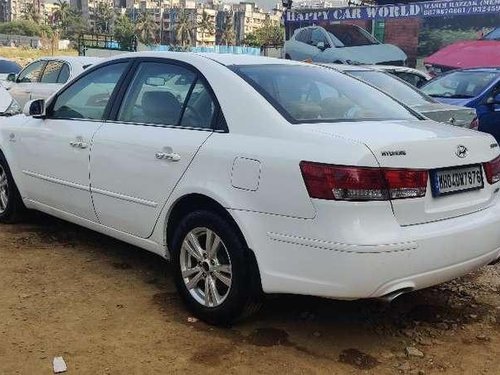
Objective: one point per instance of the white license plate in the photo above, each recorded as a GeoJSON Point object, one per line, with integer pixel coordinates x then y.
{"type": "Point", "coordinates": [455, 180]}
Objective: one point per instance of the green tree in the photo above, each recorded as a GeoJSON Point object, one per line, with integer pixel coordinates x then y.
{"type": "Point", "coordinates": [205, 25]}
{"type": "Point", "coordinates": [183, 31]}
{"type": "Point", "coordinates": [252, 40]}
{"type": "Point", "coordinates": [124, 32]}
{"type": "Point", "coordinates": [270, 34]}
{"type": "Point", "coordinates": [24, 27]}
{"type": "Point", "coordinates": [146, 28]}
{"type": "Point", "coordinates": [103, 18]}
{"type": "Point", "coordinates": [228, 36]}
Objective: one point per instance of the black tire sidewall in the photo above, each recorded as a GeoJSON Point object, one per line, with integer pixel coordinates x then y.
{"type": "Point", "coordinates": [241, 290]}
{"type": "Point", "coordinates": [13, 194]}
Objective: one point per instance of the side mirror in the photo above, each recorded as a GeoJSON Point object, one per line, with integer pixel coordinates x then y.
{"type": "Point", "coordinates": [35, 108]}
{"type": "Point", "coordinates": [493, 99]}
{"type": "Point", "coordinates": [11, 77]}
{"type": "Point", "coordinates": [321, 46]}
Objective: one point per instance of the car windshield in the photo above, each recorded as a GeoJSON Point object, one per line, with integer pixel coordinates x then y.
{"type": "Point", "coordinates": [9, 67]}
{"type": "Point", "coordinates": [493, 35]}
{"type": "Point", "coordinates": [310, 94]}
{"type": "Point", "coordinates": [393, 86]}
{"type": "Point", "coordinates": [349, 36]}
{"type": "Point", "coordinates": [460, 84]}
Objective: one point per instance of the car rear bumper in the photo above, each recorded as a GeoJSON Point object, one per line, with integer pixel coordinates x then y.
{"type": "Point", "coordinates": [296, 256]}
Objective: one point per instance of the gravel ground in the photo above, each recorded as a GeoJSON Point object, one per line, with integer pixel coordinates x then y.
{"type": "Point", "coordinates": [110, 308]}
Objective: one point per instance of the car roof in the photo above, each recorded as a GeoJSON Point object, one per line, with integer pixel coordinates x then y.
{"type": "Point", "coordinates": [81, 60]}
{"type": "Point", "coordinates": [226, 59]}
{"type": "Point", "coordinates": [348, 68]}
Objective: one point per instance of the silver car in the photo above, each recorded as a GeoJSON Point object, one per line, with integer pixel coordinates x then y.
{"type": "Point", "coordinates": [341, 43]}
{"type": "Point", "coordinates": [411, 96]}
{"type": "Point", "coordinates": [44, 76]}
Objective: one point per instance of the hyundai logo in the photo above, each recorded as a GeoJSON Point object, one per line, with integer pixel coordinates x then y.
{"type": "Point", "coordinates": [462, 151]}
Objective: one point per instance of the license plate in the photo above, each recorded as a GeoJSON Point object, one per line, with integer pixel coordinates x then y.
{"type": "Point", "coordinates": [456, 179]}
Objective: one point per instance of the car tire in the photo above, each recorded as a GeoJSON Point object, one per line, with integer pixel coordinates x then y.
{"type": "Point", "coordinates": [287, 57]}
{"type": "Point", "coordinates": [219, 286]}
{"type": "Point", "coordinates": [11, 204]}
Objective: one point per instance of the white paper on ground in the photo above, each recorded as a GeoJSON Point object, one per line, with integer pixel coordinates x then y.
{"type": "Point", "coordinates": [59, 365]}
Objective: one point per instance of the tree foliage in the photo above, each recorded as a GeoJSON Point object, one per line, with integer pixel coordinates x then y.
{"type": "Point", "coordinates": [183, 31]}
{"type": "Point", "coordinates": [205, 25]}
{"type": "Point", "coordinates": [270, 34]}
{"type": "Point", "coordinates": [146, 28]}
{"type": "Point", "coordinates": [228, 36]}
{"type": "Point", "coordinates": [68, 21]}
{"type": "Point", "coordinates": [24, 27]}
{"type": "Point", "coordinates": [124, 32]}
{"type": "Point", "coordinates": [103, 18]}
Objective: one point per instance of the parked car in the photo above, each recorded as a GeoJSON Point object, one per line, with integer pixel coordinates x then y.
{"type": "Point", "coordinates": [44, 76]}
{"type": "Point", "coordinates": [482, 53]}
{"type": "Point", "coordinates": [7, 67]}
{"type": "Point", "coordinates": [8, 106]}
{"type": "Point", "coordinates": [474, 88]}
{"type": "Point", "coordinates": [414, 77]}
{"type": "Point", "coordinates": [319, 184]}
{"type": "Point", "coordinates": [411, 96]}
{"type": "Point", "coordinates": [341, 43]}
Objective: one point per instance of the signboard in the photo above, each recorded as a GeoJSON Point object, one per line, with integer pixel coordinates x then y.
{"type": "Point", "coordinates": [422, 9]}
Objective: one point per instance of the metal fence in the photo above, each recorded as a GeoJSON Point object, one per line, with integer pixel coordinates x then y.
{"type": "Point", "coordinates": [20, 40]}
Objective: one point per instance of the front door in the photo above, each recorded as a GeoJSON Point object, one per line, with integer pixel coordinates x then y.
{"type": "Point", "coordinates": [28, 77]}
{"type": "Point", "coordinates": [54, 152]}
{"type": "Point", "coordinates": [165, 116]}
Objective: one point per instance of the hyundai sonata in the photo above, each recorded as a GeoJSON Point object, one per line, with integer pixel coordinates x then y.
{"type": "Point", "coordinates": [257, 175]}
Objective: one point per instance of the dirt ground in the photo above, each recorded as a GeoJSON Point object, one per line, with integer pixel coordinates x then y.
{"type": "Point", "coordinates": [110, 308]}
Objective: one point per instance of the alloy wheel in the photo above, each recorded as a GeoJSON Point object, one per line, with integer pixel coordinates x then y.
{"type": "Point", "coordinates": [4, 190]}
{"type": "Point", "coordinates": [206, 267]}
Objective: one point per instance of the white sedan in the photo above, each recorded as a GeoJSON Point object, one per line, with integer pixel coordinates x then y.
{"type": "Point", "coordinates": [256, 175]}
{"type": "Point", "coordinates": [44, 76]}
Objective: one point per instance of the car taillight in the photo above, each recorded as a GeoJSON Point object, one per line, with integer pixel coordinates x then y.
{"type": "Point", "coordinates": [475, 124]}
{"type": "Point", "coordinates": [492, 170]}
{"type": "Point", "coordinates": [325, 181]}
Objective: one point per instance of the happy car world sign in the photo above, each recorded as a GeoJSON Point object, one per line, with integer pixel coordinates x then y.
{"type": "Point", "coordinates": [422, 9]}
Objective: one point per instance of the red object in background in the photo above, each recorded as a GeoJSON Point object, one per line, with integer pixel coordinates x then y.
{"type": "Point", "coordinates": [467, 54]}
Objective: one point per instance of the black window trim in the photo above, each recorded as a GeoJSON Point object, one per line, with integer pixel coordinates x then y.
{"type": "Point", "coordinates": [107, 109]}
{"type": "Point", "coordinates": [218, 125]}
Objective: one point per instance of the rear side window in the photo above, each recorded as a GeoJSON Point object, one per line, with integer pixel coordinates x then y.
{"type": "Point", "coordinates": [64, 74]}
{"type": "Point", "coordinates": [51, 72]}
{"type": "Point", "coordinates": [167, 94]}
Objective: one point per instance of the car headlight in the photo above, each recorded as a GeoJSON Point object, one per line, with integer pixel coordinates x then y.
{"type": "Point", "coordinates": [13, 109]}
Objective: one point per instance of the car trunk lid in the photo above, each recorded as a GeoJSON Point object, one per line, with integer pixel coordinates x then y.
{"type": "Point", "coordinates": [423, 145]}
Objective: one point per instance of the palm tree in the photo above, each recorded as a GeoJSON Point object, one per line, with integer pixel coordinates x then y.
{"type": "Point", "coordinates": [103, 17]}
{"type": "Point", "coordinates": [228, 37]}
{"type": "Point", "coordinates": [62, 14]}
{"type": "Point", "coordinates": [146, 28]}
{"type": "Point", "coordinates": [205, 25]}
{"type": "Point", "coordinates": [183, 28]}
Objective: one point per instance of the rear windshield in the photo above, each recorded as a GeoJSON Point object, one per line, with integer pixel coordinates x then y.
{"type": "Point", "coordinates": [393, 86]}
{"type": "Point", "coordinates": [350, 36]}
{"type": "Point", "coordinates": [310, 94]}
{"type": "Point", "coordinates": [9, 67]}
{"type": "Point", "coordinates": [460, 85]}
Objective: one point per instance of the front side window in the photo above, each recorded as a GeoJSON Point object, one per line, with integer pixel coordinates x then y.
{"type": "Point", "coordinates": [31, 73]}
{"type": "Point", "coordinates": [460, 84]}
{"type": "Point", "coordinates": [51, 72]}
{"type": "Point", "coordinates": [304, 36]}
{"type": "Point", "coordinates": [312, 94]}
{"type": "Point", "coordinates": [167, 94]}
{"type": "Point", "coordinates": [88, 97]}
{"type": "Point", "coordinates": [317, 36]}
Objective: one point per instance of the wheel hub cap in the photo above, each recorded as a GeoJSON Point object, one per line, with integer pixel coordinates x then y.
{"type": "Point", "coordinates": [206, 267]}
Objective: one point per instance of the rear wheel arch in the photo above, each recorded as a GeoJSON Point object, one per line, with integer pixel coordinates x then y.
{"type": "Point", "coordinates": [194, 202]}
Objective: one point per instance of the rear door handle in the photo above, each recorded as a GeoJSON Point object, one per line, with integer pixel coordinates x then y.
{"type": "Point", "coordinates": [172, 156]}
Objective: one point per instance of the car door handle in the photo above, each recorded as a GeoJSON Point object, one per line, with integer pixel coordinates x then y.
{"type": "Point", "coordinates": [172, 156]}
{"type": "Point", "coordinates": [78, 144]}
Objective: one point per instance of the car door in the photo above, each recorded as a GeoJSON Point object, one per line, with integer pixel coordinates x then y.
{"type": "Point", "coordinates": [28, 77]}
{"type": "Point", "coordinates": [53, 76]}
{"type": "Point", "coordinates": [321, 46]}
{"type": "Point", "coordinates": [302, 49]}
{"type": "Point", "coordinates": [53, 152]}
{"type": "Point", "coordinates": [166, 114]}
{"type": "Point", "coordinates": [489, 114]}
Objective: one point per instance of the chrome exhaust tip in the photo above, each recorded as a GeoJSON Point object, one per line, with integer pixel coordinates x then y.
{"type": "Point", "coordinates": [389, 297]}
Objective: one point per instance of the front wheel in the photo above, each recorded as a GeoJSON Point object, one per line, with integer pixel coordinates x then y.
{"type": "Point", "coordinates": [11, 205]}
{"type": "Point", "coordinates": [213, 273]}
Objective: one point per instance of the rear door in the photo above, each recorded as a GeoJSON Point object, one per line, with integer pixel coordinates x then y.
{"type": "Point", "coordinates": [167, 112]}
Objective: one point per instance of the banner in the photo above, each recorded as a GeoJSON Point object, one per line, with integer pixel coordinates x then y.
{"type": "Point", "coordinates": [422, 9]}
